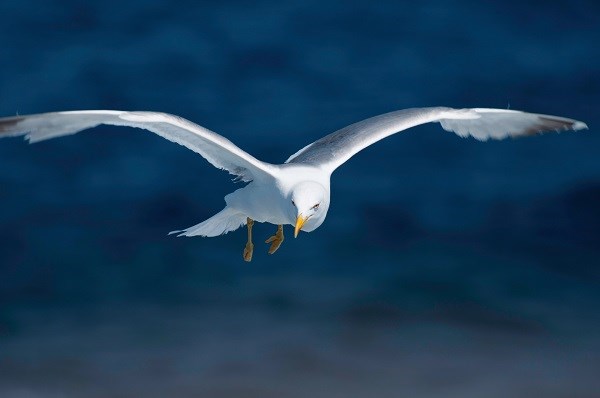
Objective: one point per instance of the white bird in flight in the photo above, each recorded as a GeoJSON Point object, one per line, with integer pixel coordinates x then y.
{"type": "Point", "coordinates": [296, 192]}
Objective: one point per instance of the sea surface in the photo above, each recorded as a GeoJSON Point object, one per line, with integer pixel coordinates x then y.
{"type": "Point", "coordinates": [447, 267]}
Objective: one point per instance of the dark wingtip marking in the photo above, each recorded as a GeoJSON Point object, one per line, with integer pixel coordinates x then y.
{"type": "Point", "coordinates": [548, 124]}
{"type": "Point", "coordinates": [557, 124]}
{"type": "Point", "coordinates": [8, 123]}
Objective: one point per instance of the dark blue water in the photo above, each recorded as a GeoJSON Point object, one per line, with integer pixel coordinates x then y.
{"type": "Point", "coordinates": [446, 267]}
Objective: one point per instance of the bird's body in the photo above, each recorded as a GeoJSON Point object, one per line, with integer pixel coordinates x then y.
{"type": "Point", "coordinates": [268, 201]}
{"type": "Point", "coordinates": [298, 191]}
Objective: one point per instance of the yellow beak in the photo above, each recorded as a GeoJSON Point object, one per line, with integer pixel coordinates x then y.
{"type": "Point", "coordinates": [299, 223]}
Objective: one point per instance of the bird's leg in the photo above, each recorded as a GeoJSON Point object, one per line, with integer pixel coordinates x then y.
{"type": "Point", "coordinates": [275, 240]}
{"type": "Point", "coordinates": [249, 249]}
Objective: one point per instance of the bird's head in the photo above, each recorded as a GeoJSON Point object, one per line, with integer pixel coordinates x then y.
{"type": "Point", "coordinates": [309, 202]}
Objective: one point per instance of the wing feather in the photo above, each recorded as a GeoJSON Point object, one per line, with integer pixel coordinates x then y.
{"type": "Point", "coordinates": [331, 151]}
{"type": "Point", "coordinates": [217, 150]}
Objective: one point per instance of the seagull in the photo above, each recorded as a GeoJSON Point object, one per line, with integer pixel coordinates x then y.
{"type": "Point", "coordinates": [296, 192]}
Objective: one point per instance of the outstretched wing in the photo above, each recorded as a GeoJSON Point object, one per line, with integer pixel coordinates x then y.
{"type": "Point", "coordinates": [333, 150]}
{"type": "Point", "coordinates": [219, 151]}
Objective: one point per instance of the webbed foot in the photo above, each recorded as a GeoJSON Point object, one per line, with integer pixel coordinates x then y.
{"type": "Point", "coordinates": [276, 240]}
{"type": "Point", "coordinates": [249, 249]}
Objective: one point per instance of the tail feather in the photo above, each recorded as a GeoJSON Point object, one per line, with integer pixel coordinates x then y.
{"type": "Point", "coordinates": [226, 220]}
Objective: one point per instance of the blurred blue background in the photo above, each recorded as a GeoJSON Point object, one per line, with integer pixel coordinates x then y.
{"type": "Point", "coordinates": [447, 267]}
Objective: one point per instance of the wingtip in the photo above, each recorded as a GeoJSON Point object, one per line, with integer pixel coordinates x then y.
{"type": "Point", "coordinates": [179, 234]}
{"type": "Point", "coordinates": [8, 124]}
{"type": "Point", "coordinates": [580, 126]}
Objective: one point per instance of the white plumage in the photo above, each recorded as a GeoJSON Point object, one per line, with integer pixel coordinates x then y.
{"type": "Point", "coordinates": [297, 190]}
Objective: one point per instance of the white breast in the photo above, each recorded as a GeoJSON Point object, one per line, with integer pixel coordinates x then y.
{"type": "Point", "coordinates": [262, 203]}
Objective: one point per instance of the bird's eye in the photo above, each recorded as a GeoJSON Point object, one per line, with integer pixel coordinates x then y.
{"type": "Point", "coordinates": [315, 207]}
{"type": "Point", "coordinates": [294, 203]}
